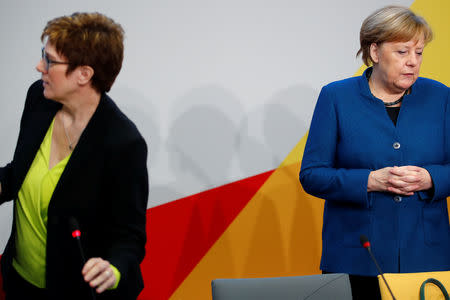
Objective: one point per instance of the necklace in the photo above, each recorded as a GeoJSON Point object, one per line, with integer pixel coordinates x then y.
{"type": "Point", "coordinates": [386, 104]}
{"type": "Point", "coordinates": [394, 102]}
{"type": "Point", "coordinates": [67, 135]}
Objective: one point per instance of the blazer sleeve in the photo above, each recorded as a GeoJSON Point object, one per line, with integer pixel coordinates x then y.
{"type": "Point", "coordinates": [5, 177]}
{"type": "Point", "coordinates": [440, 173]}
{"type": "Point", "coordinates": [129, 185]}
{"type": "Point", "coordinates": [319, 174]}
{"type": "Point", "coordinates": [6, 172]}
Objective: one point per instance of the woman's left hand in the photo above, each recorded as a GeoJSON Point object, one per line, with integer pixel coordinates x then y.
{"type": "Point", "coordinates": [99, 274]}
{"type": "Point", "coordinates": [410, 179]}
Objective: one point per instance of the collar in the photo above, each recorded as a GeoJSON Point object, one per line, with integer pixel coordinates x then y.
{"type": "Point", "coordinates": [364, 83]}
{"type": "Point", "coordinates": [365, 89]}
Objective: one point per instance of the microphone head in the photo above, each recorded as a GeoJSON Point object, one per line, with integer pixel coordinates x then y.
{"type": "Point", "coordinates": [74, 227]}
{"type": "Point", "coordinates": [364, 241]}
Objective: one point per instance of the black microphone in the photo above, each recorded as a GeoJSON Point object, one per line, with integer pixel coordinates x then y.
{"type": "Point", "coordinates": [366, 244]}
{"type": "Point", "coordinates": [76, 234]}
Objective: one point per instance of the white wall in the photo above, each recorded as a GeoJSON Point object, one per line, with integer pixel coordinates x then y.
{"type": "Point", "coordinates": [221, 90]}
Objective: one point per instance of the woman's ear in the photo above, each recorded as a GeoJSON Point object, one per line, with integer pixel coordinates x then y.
{"type": "Point", "coordinates": [85, 75]}
{"type": "Point", "coordinates": [374, 53]}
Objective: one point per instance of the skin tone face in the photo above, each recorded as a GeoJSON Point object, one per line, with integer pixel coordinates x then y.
{"type": "Point", "coordinates": [396, 66]}
{"type": "Point", "coordinates": [57, 84]}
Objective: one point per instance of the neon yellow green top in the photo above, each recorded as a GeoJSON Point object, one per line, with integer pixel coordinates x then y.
{"type": "Point", "coordinates": [31, 214]}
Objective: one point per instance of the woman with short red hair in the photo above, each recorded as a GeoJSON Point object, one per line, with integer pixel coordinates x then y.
{"type": "Point", "coordinates": [78, 157]}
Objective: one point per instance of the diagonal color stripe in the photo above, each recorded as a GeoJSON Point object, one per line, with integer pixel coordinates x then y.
{"type": "Point", "coordinates": [181, 232]}
{"type": "Point", "coordinates": [278, 232]}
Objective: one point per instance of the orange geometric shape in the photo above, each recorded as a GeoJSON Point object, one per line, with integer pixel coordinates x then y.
{"type": "Point", "coordinates": [182, 231]}
{"type": "Point", "coordinates": [276, 234]}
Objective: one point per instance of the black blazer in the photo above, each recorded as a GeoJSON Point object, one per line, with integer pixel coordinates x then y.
{"type": "Point", "coordinates": [104, 186]}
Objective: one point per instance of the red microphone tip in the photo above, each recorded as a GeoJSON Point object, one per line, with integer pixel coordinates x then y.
{"type": "Point", "coordinates": [364, 241]}
{"type": "Point", "coordinates": [76, 233]}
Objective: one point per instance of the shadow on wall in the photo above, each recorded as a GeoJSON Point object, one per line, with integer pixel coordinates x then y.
{"type": "Point", "coordinates": [267, 135]}
{"type": "Point", "coordinates": [201, 143]}
{"type": "Point", "coordinates": [291, 243]}
{"type": "Point", "coordinates": [287, 118]}
{"type": "Point", "coordinates": [145, 115]}
{"type": "Point", "coordinates": [267, 231]}
{"type": "Point", "coordinates": [211, 140]}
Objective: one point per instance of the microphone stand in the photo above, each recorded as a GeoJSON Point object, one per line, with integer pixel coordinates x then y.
{"type": "Point", "coordinates": [76, 233]}
{"type": "Point", "coordinates": [366, 244]}
{"type": "Point", "coordinates": [381, 272]}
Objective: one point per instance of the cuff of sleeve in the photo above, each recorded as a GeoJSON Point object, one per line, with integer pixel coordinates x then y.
{"type": "Point", "coordinates": [426, 195]}
{"type": "Point", "coordinates": [117, 274]}
{"type": "Point", "coordinates": [356, 187]}
{"type": "Point", "coordinates": [439, 175]}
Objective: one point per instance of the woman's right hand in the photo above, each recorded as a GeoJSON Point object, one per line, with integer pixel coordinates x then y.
{"type": "Point", "coordinates": [385, 180]}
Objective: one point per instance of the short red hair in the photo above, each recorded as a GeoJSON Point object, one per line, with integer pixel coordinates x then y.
{"type": "Point", "coordinates": [89, 39]}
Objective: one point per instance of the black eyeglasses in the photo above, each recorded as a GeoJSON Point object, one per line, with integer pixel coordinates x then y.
{"type": "Point", "coordinates": [48, 62]}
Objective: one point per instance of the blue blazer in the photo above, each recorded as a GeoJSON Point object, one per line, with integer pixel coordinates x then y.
{"type": "Point", "coordinates": [351, 135]}
{"type": "Point", "coordinates": [104, 186]}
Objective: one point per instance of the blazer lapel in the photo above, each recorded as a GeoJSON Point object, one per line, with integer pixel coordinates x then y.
{"type": "Point", "coordinates": [34, 128]}
{"type": "Point", "coordinates": [83, 155]}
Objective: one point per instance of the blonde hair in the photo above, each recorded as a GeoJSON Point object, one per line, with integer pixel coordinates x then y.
{"type": "Point", "coordinates": [391, 24]}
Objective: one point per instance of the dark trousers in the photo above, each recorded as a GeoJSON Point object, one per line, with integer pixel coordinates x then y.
{"type": "Point", "coordinates": [364, 287]}
{"type": "Point", "coordinates": [20, 289]}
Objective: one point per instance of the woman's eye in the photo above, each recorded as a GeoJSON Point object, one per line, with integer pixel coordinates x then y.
{"type": "Point", "coordinates": [401, 52]}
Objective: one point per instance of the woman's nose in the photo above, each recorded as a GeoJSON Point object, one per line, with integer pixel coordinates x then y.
{"type": "Point", "coordinates": [40, 66]}
{"type": "Point", "coordinates": [412, 59]}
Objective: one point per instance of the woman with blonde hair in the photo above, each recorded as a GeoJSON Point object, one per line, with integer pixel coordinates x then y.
{"type": "Point", "coordinates": [378, 152]}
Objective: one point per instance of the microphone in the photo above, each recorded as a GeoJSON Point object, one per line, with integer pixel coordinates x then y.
{"type": "Point", "coordinates": [76, 234]}
{"type": "Point", "coordinates": [366, 244]}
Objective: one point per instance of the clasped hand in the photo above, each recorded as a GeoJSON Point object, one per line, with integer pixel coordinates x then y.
{"type": "Point", "coordinates": [403, 180]}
